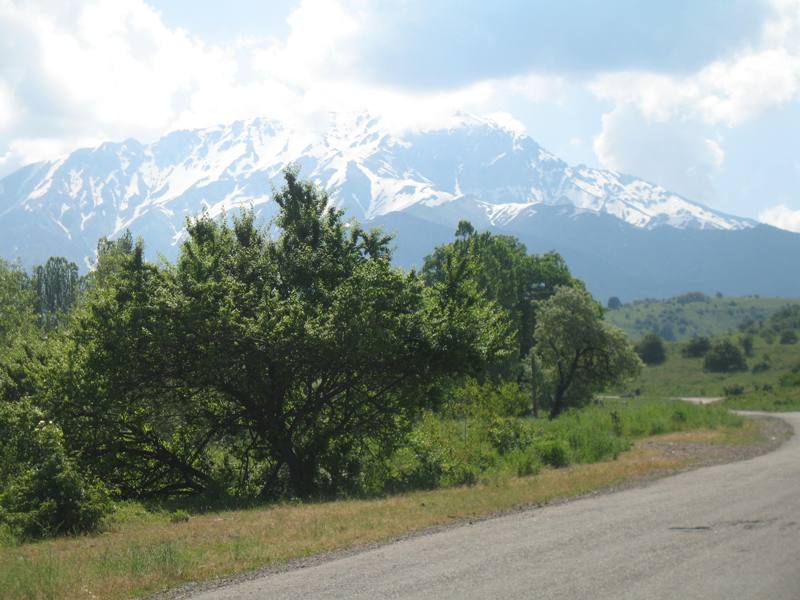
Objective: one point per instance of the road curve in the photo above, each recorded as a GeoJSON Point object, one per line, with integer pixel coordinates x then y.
{"type": "Point", "coordinates": [723, 532]}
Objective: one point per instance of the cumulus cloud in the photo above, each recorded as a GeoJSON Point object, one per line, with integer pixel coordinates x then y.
{"type": "Point", "coordinates": [111, 69]}
{"type": "Point", "coordinates": [676, 155]}
{"type": "Point", "coordinates": [781, 216]}
{"type": "Point", "coordinates": [670, 127]}
{"type": "Point", "coordinates": [729, 90]}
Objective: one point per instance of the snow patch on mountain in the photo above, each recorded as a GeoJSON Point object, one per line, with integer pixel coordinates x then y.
{"type": "Point", "coordinates": [475, 165]}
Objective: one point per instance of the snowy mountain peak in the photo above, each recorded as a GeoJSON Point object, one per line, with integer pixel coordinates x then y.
{"type": "Point", "coordinates": [482, 168]}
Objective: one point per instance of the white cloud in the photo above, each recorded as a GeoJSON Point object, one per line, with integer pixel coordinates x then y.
{"type": "Point", "coordinates": [7, 109]}
{"type": "Point", "coordinates": [728, 91]}
{"type": "Point", "coordinates": [669, 128]}
{"type": "Point", "coordinates": [111, 69]}
{"type": "Point", "coordinates": [677, 155]}
{"type": "Point", "coordinates": [781, 216]}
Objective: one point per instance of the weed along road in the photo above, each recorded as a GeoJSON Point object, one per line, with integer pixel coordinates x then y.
{"type": "Point", "coordinates": [728, 531]}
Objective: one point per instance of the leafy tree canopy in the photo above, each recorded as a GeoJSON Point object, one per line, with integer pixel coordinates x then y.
{"type": "Point", "coordinates": [578, 352]}
{"type": "Point", "coordinates": [503, 272]}
{"type": "Point", "coordinates": [289, 357]}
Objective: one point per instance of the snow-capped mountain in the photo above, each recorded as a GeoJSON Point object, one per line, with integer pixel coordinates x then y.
{"type": "Point", "coordinates": [367, 170]}
{"type": "Point", "coordinates": [473, 168]}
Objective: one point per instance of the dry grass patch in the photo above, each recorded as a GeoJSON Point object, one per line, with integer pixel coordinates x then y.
{"type": "Point", "coordinates": [749, 433]}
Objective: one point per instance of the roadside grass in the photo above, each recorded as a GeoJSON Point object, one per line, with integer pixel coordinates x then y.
{"type": "Point", "coordinates": [780, 399]}
{"type": "Point", "coordinates": [146, 550]}
{"type": "Point", "coordinates": [681, 376]}
{"type": "Point", "coordinates": [749, 433]}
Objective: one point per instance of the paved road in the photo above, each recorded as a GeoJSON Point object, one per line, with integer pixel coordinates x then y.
{"type": "Point", "coordinates": [727, 532]}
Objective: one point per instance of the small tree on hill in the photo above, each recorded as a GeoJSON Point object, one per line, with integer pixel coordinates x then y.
{"type": "Point", "coordinates": [578, 352]}
{"type": "Point", "coordinates": [651, 349]}
{"type": "Point", "coordinates": [724, 357]}
{"type": "Point", "coordinates": [614, 303]}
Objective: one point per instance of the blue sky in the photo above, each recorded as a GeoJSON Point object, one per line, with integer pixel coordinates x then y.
{"type": "Point", "coordinates": [701, 96]}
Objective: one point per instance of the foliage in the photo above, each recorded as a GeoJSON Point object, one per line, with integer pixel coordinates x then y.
{"type": "Point", "coordinates": [746, 342]}
{"type": "Point", "coordinates": [696, 347]}
{"type": "Point", "coordinates": [21, 348]}
{"type": "Point", "coordinates": [41, 490]}
{"type": "Point", "coordinates": [734, 390]}
{"type": "Point", "coordinates": [651, 349]}
{"type": "Point", "coordinates": [614, 303]}
{"type": "Point", "coordinates": [788, 336]}
{"type": "Point", "coordinates": [724, 357]}
{"type": "Point", "coordinates": [503, 273]}
{"type": "Point", "coordinates": [579, 353]}
{"type": "Point", "coordinates": [260, 366]}
{"type": "Point", "coordinates": [474, 399]}
{"type": "Point", "coordinates": [57, 286]}
{"type": "Point", "coordinates": [443, 452]}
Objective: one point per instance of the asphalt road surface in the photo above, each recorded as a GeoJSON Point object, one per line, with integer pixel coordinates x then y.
{"type": "Point", "coordinates": [729, 531]}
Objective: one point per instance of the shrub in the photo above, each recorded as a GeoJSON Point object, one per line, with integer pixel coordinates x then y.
{"type": "Point", "coordinates": [554, 452]}
{"type": "Point", "coordinates": [506, 399]}
{"type": "Point", "coordinates": [614, 303]}
{"type": "Point", "coordinates": [43, 493]}
{"type": "Point", "coordinates": [696, 347]}
{"type": "Point", "coordinates": [788, 337]}
{"type": "Point", "coordinates": [733, 390]}
{"type": "Point", "coordinates": [651, 349]}
{"type": "Point", "coordinates": [724, 357]}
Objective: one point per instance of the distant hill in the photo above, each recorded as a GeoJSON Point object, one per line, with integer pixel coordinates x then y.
{"type": "Point", "coordinates": [682, 317]}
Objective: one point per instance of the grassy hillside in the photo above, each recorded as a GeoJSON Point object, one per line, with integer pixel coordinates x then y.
{"type": "Point", "coordinates": [693, 314]}
{"type": "Point", "coordinates": [774, 384]}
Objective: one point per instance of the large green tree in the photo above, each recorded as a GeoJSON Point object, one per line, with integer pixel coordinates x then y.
{"type": "Point", "coordinates": [577, 351]}
{"type": "Point", "coordinates": [504, 273]}
{"type": "Point", "coordinates": [265, 365]}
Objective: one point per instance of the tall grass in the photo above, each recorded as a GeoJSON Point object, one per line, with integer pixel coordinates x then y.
{"type": "Point", "coordinates": [446, 452]}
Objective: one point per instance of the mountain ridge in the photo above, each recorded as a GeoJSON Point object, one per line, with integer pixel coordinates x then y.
{"type": "Point", "coordinates": [473, 168]}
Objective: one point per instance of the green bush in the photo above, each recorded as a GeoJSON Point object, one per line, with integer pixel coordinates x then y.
{"type": "Point", "coordinates": [554, 452]}
{"type": "Point", "coordinates": [788, 337]}
{"type": "Point", "coordinates": [651, 349]}
{"type": "Point", "coordinates": [43, 493]}
{"type": "Point", "coordinates": [696, 347]}
{"type": "Point", "coordinates": [733, 390]}
{"type": "Point", "coordinates": [724, 357]}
